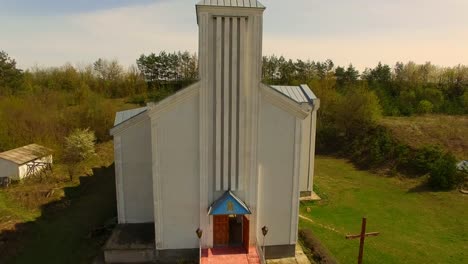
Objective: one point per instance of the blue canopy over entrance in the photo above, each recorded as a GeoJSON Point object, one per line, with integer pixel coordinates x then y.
{"type": "Point", "coordinates": [228, 204]}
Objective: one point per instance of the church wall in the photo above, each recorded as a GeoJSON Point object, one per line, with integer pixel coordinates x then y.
{"type": "Point", "coordinates": [136, 173]}
{"type": "Point", "coordinates": [305, 150]}
{"type": "Point", "coordinates": [313, 139]}
{"type": "Point", "coordinates": [177, 159]}
{"type": "Point", "coordinates": [276, 170]}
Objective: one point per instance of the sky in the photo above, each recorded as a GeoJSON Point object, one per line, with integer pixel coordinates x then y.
{"type": "Point", "coordinates": [361, 32]}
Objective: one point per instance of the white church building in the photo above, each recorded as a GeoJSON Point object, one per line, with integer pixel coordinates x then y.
{"type": "Point", "coordinates": [228, 154]}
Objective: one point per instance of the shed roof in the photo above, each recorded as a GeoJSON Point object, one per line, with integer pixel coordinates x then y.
{"type": "Point", "coordinates": [123, 116]}
{"type": "Point", "coordinates": [25, 154]}
{"type": "Point", "coordinates": [463, 165]}
{"type": "Point", "coordinates": [299, 94]}
{"type": "Point", "coordinates": [232, 3]}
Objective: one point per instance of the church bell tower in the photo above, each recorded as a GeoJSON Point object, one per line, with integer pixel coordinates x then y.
{"type": "Point", "coordinates": [230, 57]}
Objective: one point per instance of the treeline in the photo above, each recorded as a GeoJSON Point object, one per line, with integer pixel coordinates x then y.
{"type": "Point", "coordinates": [107, 78]}
{"type": "Point", "coordinates": [352, 104]}
{"type": "Point", "coordinates": [44, 105]}
{"type": "Point", "coordinates": [402, 90]}
{"type": "Point", "coordinates": [168, 67]}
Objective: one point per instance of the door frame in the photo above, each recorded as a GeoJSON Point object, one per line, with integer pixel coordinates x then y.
{"type": "Point", "coordinates": [245, 224]}
{"type": "Point", "coordinates": [245, 233]}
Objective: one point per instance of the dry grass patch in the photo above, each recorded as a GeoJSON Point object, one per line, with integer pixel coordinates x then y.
{"type": "Point", "coordinates": [449, 132]}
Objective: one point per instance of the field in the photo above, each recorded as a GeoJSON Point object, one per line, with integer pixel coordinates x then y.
{"type": "Point", "coordinates": [416, 226]}
{"type": "Point", "coordinates": [55, 220]}
{"type": "Point", "coordinates": [450, 132]}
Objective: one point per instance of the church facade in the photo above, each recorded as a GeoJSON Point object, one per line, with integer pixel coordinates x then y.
{"type": "Point", "coordinates": [228, 154]}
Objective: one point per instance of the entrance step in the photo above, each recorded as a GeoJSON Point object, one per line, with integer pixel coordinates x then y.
{"type": "Point", "coordinates": [230, 255]}
{"type": "Point", "coordinates": [253, 258]}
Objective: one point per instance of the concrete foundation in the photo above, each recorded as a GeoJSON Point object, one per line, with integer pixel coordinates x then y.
{"type": "Point", "coordinates": [280, 251]}
{"type": "Point", "coordinates": [134, 243]}
{"type": "Point", "coordinates": [309, 196]}
{"type": "Point", "coordinates": [300, 258]}
{"type": "Point", "coordinates": [177, 256]}
{"type": "Point", "coordinates": [131, 243]}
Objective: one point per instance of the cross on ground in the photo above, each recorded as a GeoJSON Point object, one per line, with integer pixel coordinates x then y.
{"type": "Point", "coordinates": [362, 237]}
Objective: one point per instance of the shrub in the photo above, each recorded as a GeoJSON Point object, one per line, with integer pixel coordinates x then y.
{"type": "Point", "coordinates": [160, 94]}
{"type": "Point", "coordinates": [443, 173]}
{"type": "Point", "coordinates": [328, 140]}
{"type": "Point", "coordinates": [372, 147]}
{"type": "Point", "coordinates": [139, 99]}
{"type": "Point", "coordinates": [402, 155]}
{"type": "Point", "coordinates": [425, 107]}
{"type": "Point", "coordinates": [319, 253]}
{"type": "Point", "coordinates": [425, 157]}
{"type": "Point", "coordinates": [79, 147]}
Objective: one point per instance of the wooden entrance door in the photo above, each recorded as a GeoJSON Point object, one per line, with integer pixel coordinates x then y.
{"type": "Point", "coordinates": [220, 230]}
{"type": "Point", "coordinates": [245, 233]}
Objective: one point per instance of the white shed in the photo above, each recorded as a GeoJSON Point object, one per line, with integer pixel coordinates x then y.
{"type": "Point", "coordinates": [24, 161]}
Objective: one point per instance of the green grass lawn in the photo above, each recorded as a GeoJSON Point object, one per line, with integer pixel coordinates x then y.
{"type": "Point", "coordinates": [416, 226]}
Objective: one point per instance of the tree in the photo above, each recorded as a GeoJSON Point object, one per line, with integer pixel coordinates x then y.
{"type": "Point", "coordinates": [10, 76]}
{"type": "Point", "coordinates": [108, 70]}
{"type": "Point", "coordinates": [340, 75]}
{"type": "Point", "coordinates": [357, 110]}
{"type": "Point", "coordinates": [465, 101]}
{"type": "Point", "coordinates": [381, 74]}
{"type": "Point", "coordinates": [79, 147]}
{"type": "Point", "coordinates": [425, 107]}
{"type": "Point", "coordinates": [352, 74]}
{"type": "Point", "coordinates": [346, 77]}
{"type": "Point", "coordinates": [135, 81]}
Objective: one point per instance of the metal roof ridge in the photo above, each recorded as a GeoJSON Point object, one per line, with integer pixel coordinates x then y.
{"type": "Point", "coordinates": [232, 3]}
{"type": "Point", "coordinates": [311, 101]}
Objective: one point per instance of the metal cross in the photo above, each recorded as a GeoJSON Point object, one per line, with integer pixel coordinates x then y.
{"type": "Point", "coordinates": [362, 236]}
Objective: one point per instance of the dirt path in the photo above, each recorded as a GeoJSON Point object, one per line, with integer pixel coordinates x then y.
{"type": "Point", "coordinates": [321, 225]}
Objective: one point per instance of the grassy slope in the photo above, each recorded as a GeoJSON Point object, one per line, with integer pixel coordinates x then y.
{"type": "Point", "coordinates": [11, 213]}
{"type": "Point", "coordinates": [416, 227]}
{"type": "Point", "coordinates": [55, 229]}
{"type": "Point", "coordinates": [448, 131]}
{"type": "Point", "coordinates": [64, 236]}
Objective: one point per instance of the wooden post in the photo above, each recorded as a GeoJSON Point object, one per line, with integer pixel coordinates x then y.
{"type": "Point", "coordinates": [361, 243]}
{"type": "Point", "coordinates": [362, 236]}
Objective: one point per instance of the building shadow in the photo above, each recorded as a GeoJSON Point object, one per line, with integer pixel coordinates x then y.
{"type": "Point", "coordinates": [70, 230]}
{"type": "Point", "coordinates": [424, 187]}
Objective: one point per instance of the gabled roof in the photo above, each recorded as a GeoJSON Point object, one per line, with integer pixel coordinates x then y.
{"type": "Point", "coordinates": [228, 204]}
{"type": "Point", "coordinates": [123, 116]}
{"type": "Point", "coordinates": [232, 3]}
{"type": "Point", "coordinates": [299, 94]}
{"type": "Point", "coordinates": [125, 119]}
{"type": "Point", "coordinates": [25, 154]}
{"type": "Point", "coordinates": [299, 101]}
